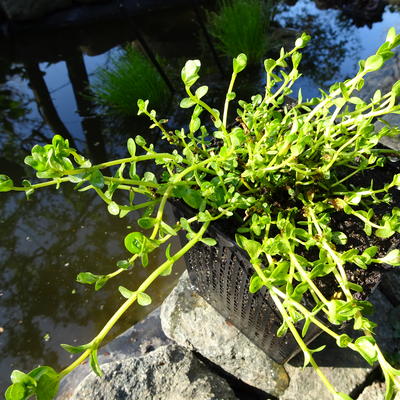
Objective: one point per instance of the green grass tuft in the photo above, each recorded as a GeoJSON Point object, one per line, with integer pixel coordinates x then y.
{"type": "Point", "coordinates": [128, 78]}
{"type": "Point", "coordinates": [240, 26]}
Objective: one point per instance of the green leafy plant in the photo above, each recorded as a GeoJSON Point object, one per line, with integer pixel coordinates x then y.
{"type": "Point", "coordinates": [281, 174]}
{"type": "Point", "coordinates": [241, 26]}
{"type": "Point", "coordinates": [129, 77]}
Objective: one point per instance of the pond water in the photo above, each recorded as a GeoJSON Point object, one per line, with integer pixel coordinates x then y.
{"type": "Point", "coordinates": [46, 241]}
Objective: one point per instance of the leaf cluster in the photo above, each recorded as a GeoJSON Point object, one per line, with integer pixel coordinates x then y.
{"type": "Point", "coordinates": [279, 174]}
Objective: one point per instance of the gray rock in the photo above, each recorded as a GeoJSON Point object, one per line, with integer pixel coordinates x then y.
{"type": "Point", "coordinates": [345, 369]}
{"type": "Point", "coordinates": [194, 324]}
{"type": "Point", "coordinates": [140, 339]}
{"type": "Point", "coordinates": [376, 391]}
{"type": "Point", "coordinates": [168, 373]}
{"type": "Point", "coordinates": [305, 384]}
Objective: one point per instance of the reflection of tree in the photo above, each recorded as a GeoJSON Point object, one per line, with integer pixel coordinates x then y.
{"type": "Point", "coordinates": [90, 122]}
{"type": "Point", "coordinates": [358, 12]}
{"type": "Point", "coordinates": [44, 101]}
{"type": "Point", "coordinates": [331, 41]}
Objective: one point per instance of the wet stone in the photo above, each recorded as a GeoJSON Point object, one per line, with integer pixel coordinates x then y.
{"type": "Point", "coordinates": [191, 322]}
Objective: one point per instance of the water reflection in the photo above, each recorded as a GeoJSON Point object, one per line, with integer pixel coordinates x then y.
{"type": "Point", "coordinates": [332, 40]}
{"type": "Point", "coordinates": [358, 12]}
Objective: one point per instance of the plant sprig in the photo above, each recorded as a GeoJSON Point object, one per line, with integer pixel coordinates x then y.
{"type": "Point", "coordinates": [281, 173]}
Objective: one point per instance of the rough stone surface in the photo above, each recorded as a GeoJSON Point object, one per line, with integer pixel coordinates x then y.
{"type": "Point", "coordinates": [168, 373]}
{"type": "Point", "coordinates": [343, 368]}
{"type": "Point", "coordinates": [30, 9]}
{"type": "Point", "coordinates": [374, 392]}
{"type": "Point", "coordinates": [346, 370]}
{"type": "Point", "coordinates": [193, 323]}
{"type": "Point", "coordinates": [142, 338]}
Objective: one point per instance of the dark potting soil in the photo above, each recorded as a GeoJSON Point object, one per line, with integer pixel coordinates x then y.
{"type": "Point", "coordinates": [357, 239]}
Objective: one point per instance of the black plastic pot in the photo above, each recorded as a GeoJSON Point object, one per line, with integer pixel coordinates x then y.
{"type": "Point", "coordinates": [221, 275]}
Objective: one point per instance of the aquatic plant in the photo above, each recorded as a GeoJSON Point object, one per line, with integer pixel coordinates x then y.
{"type": "Point", "coordinates": [280, 175]}
{"type": "Point", "coordinates": [129, 77]}
{"type": "Point", "coordinates": [241, 26]}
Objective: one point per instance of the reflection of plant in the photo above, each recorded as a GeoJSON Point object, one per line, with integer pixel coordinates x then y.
{"type": "Point", "coordinates": [281, 175]}
{"type": "Point", "coordinates": [323, 58]}
{"type": "Point", "coordinates": [240, 26]}
{"type": "Point", "coordinates": [129, 78]}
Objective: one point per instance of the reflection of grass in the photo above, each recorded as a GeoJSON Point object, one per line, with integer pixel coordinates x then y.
{"type": "Point", "coordinates": [128, 78]}
{"type": "Point", "coordinates": [240, 27]}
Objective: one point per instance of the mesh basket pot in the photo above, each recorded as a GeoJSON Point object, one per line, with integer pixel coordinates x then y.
{"type": "Point", "coordinates": [221, 275]}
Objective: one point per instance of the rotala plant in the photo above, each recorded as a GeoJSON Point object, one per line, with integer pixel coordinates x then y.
{"type": "Point", "coordinates": [281, 174]}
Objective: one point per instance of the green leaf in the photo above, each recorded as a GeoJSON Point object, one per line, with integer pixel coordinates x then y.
{"type": "Point", "coordinates": [113, 208]}
{"type": "Point", "coordinates": [146, 222]}
{"type": "Point", "coordinates": [201, 91]}
{"type": "Point", "coordinates": [131, 147]}
{"type": "Point", "coordinates": [75, 349]}
{"type": "Point", "coordinates": [47, 384]}
{"type": "Point", "coordinates": [231, 96]}
{"type": "Point", "coordinates": [124, 264]}
{"type": "Point", "coordinates": [391, 35]}
{"type": "Point", "coordinates": [194, 125]}
{"type": "Point", "coordinates": [252, 247]}
{"type": "Point", "coordinates": [6, 183]}
{"type": "Point", "coordinates": [15, 391]}
{"type": "Point", "coordinates": [143, 299]}
{"type": "Point", "coordinates": [144, 258]}
{"type": "Point", "coordinates": [20, 377]}
{"type": "Point", "coordinates": [392, 258]}
{"type": "Point", "coordinates": [396, 89]}
{"type": "Point", "coordinates": [189, 72]}
{"type": "Point", "coordinates": [193, 198]}
{"type": "Point", "coordinates": [87, 277]}
{"type": "Point", "coordinates": [140, 141]}
{"type": "Point", "coordinates": [269, 64]}
{"type": "Point", "coordinates": [96, 179]}
{"type": "Point", "coordinates": [167, 271]}
{"type": "Point", "coordinates": [366, 346]}
{"type": "Point", "coordinates": [282, 330]}
{"type": "Point", "coordinates": [100, 282]}
{"type": "Point", "coordinates": [187, 102]}
{"type": "Point", "coordinates": [373, 63]}
{"type": "Point", "coordinates": [209, 241]}
{"type": "Point", "coordinates": [256, 284]}
{"type": "Point", "coordinates": [94, 363]}
{"type": "Point", "coordinates": [343, 340]}
{"type": "Point", "coordinates": [126, 292]}
{"type": "Point", "coordinates": [239, 63]}
{"type": "Point", "coordinates": [134, 242]}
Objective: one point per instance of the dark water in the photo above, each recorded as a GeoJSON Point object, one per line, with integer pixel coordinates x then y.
{"type": "Point", "coordinates": [46, 241]}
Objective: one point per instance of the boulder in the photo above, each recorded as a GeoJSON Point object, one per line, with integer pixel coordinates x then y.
{"type": "Point", "coordinates": [168, 373]}
{"type": "Point", "coordinates": [376, 391]}
{"type": "Point", "coordinates": [191, 322]}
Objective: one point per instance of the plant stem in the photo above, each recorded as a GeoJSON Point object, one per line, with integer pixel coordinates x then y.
{"type": "Point", "coordinates": [142, 288]}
